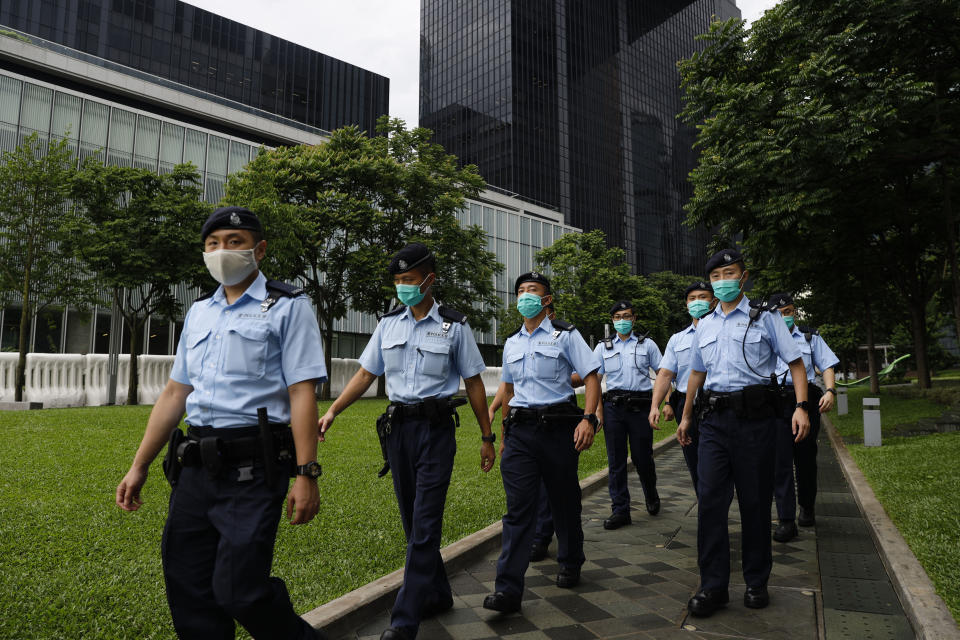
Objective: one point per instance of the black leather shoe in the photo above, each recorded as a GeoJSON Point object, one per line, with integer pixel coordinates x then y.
{"type": "Point", "coordinates": [653, 506]}
{"type": "Point", "coordinates": [538, 551]}
{"type": "Point", "coordinates": [704, 603]}
{"type": "Point", "coordinates": [394, 634]}
{"type": "Point", "coordinates": [436, 606]}
{"type": "Point", "coordinates": [617, 520]}
{"type": "Point", "coordinates": [807, 518]}
{"type": "Point", "coordinates": [786, 531]}
{"type": "Point", "coordinates": [499, 601]}
{"type": "Point", "coordinates": [756, 597]}
{"type": "Point", "coordinates": [568, 578]}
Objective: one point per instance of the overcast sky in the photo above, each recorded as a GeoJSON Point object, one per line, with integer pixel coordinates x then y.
{"type": "Point", "coordinates": [380, 35]}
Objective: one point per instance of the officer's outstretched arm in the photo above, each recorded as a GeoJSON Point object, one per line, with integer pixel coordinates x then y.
{"type": "Point", "coordinates": [583, 435]}
{"type": "Point", "coordinates": [801, 418]}
{"type": "Point", "coordinates": [694, 382]}
{"type": "Point", "coordinates": [164, 417]}
{"type": "Point", "coordinates": [477, 394]}
{"type": "Point", "coordinates": [304, 497]}
{"type": "Point", "coordinates": [660, 389]}
{"type": "Point", "coordinates": [357, 386]}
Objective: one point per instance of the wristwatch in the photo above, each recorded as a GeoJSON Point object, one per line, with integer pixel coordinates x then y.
{"type": "Point", "coordinates": [592, 419]}
{"type": "Point", "coordinates": [832, 390]}
{"type": "Point", "coordinates": [311, 470]}
{"type": "Point", "coordinates": [803, 405]}
{"type": "Point", "coordinates": [490, 438]}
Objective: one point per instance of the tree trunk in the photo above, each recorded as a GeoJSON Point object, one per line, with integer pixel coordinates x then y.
{"type": "Point", "coordinates": [918, 323]}
{"type": "Point", "coordinates": [871, 353]}
{"type": "Point", "coordinates": [328, 359]}
{"type": "Point", "coordinates": [23, 345]}
{"type": "Point", "coordinates": [133, 379]}
{"type": "Point", "coordinates": [952, 253]}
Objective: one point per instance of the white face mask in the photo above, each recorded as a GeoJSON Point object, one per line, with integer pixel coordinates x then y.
{"type": "Point", "coordinates": [230, 267]}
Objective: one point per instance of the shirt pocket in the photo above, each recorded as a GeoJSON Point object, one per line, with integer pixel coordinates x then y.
{"type": "Point", "coordinates": [753, 348]}
{"type": "Point", "coordinates": [682, 353]}
{"type": "Point", "coordinates": [641, 359]}
{"type": "Point", "coordinates": [547, 363]}
{"type": "Point", "coordinates": [710, 351]}
{"type": "Point", "coordinates": [514, 364]}
{"type": "Point", "coordinates": [612, 362]}
{"type": "Point", "coordinates": [196, 346]}
{"type": "Point", "coordinates": [394, 353]}
{"type": "Point", "coordinates": [436, 360]}
{"type": "Point", "coordinates": [245, 351]}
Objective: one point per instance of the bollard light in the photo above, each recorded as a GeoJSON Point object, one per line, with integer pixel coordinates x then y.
{"type": "Point", "coordinates": [843, 407]}
{"type": "Point", "coordinates": [871, 422]}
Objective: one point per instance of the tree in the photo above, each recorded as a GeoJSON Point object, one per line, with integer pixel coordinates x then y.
{"type": "Point", "coordinates": [35, 257]}
{"type": "Point", "coordinates": [140, 233]}
{"type": "Point", "coordinates": [587, 277]}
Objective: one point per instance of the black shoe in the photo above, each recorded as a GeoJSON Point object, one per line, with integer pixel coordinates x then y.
{"type": "Point", "coordinates": [436, 606]}
{"type": "Point", "coordinates": [538, 551]}
{"type": "Point", "coordinates": [499, 601]}
{"type": "Point", "coordinates": [653, 506]}
{"type": "Point", "coordinates": [807, 517]}
{"type": "Point", "coordinates": [394, 634]}
{"type": "Point", "coordinates": [704, 603]}
{"type": "Point", "coordinates": [568, 577]}
{"type": "Point", "coordinates": [786, 531]}
{"type": "Point", "coordinates": [756, 597]}
{"type": "Point", "coordinates": [617, 520]}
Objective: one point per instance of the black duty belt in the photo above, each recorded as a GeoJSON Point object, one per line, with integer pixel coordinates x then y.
{"type": "Point", "coordinates": [431, 408]}
{"type": "Point", "coordinates": [755, 401]}
{"type": "Point", "coordinates": [240, 447]}
{"type": "Point", "coordinates": [630, 400]}
{"type": "Point", "coordinates": [614, 394]}
{"type": "Point", "coordinates": [552, 414]}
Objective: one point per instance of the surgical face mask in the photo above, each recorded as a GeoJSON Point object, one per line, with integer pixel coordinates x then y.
{"type": "Point", "coordinates": [529, 304]}
{"type": "Point", "coordinates": [623, 327]}
{"type": "Point", "coordinates": [698, 308]}
{"type": "Point", "coordinates": [789, 321]}
{"type": "Point", "coordinates": [410, 294]}
{"type": "Point", "coordinates": [230, 266]}
{"type": "Point", "coordinates": [727, 290]}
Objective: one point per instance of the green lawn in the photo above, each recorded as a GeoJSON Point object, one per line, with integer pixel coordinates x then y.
{"type": "Point", "coordinates": [74, 565]}
{"type": "Point", "coordinates": [916, 478]}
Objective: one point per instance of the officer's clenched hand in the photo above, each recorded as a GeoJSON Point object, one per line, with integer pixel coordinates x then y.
{"type": "Point", "coordinates": [683, 432]}
{"type": "Point", "coordinates": [826, 403]}
{"type": "Point", "coordinates": [324, 424]}
{"type": "Point", "coordinates": [128, 491]}
{"type": "Point", "coordinates": [583, 436]}
{"type": "Point", "coordinates": [487, 456]}
{"type": "Point", "coordinates": [654, 417]}
{"type": "Point", "coordinates": [668, 413]}
{"type": "Point", "coordinates": [304, 499]}
{"type": "Point", "coordinates": [801, 424]}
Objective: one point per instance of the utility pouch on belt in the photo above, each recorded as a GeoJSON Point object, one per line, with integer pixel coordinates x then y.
{"type": "Point", "coordinates": [759, 401]}
{"type": "Point", "coordinates": [384, 427]}
{"type": "Point", "coordinates": [171, 462]}
{"type": "Point", "coordinates": [269, 451]}
{"type": "Point", "coordinates": [210, 456]}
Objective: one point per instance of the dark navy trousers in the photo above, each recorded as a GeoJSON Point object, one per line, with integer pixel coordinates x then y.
{"type": "Point", "coordinates": [691, 451]}
{"type": "Point", "coordinates": [535, 453]}
{"type": "Point", "coordinates": [544, 517]}
{"type": "Point", "coordinates": [217, 551]}
{"type": "Point", "coordinates": [801, 456]}
{"type": "Point", "coordinates": [735, 453]}
{"type": "Point", "coordinates": [421, 463]}
{"type": "Point", "coordinates": [620, 428]}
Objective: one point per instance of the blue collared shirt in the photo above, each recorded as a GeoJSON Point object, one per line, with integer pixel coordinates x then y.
{"type": "Point", "coordinates": [420, 358]}
{"type": "Point", "coordinates": [676, 357]}
{"type": "Point", "coordinates": [720, 345]}
{"type": "Point", "coordinates": [814, 353]}
{"type": "Point", "coordinates": [539, 365]}
{"type": "Point", "coordinates": [238, 357]}
{"type": "Point", "coordinates": [627, 364]}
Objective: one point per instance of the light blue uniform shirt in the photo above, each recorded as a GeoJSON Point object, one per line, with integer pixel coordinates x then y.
{"type": "Point", "coordinates": [539, 365]}
{"type": "Point", "coordinates": [239, 357]}
{"type": "Point", "coordinates": [676, 357]}
{"type": "Point", "coordinates": [627, 364]}
{"type": "Point", "coordinates": [719, 348]}
{"type": "Point", "coordinates": [420, 358]}
{"type": "Point", "coordinates": [816, 352]}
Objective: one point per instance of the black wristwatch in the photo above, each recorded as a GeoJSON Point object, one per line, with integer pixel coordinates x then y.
{"type": "Point", "coordinates": [490, 438]}
{"type": "Point", "coordinates": [592, 419]}
{"type": "Point", "coordinates": [832, 390]}
{"type": "Point", "coordinates": [311, 470]}
{"type": "Point", "coordinates": [803, 405]}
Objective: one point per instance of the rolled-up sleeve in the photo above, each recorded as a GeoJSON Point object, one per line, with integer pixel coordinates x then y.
{"type": "Point", "coordinates": [179, 371]}
{"type": "Point", "coordinates": [302, 347]}
{"type": "Point", "coordinates": [469, 360]}
{"type": "Point", "coordinates": [372, 357]}
{"type": "Point", "coordinates": [581, 358]}
{"type": "Point", "coordinates": [669, 359]}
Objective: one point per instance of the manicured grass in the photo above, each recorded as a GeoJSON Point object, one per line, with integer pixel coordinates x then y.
{"type": "Point", "coordinates": [898, 405]}
{"type": "Point", "coordinates": [72, 564]}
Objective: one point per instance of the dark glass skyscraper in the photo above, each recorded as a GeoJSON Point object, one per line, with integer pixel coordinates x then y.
{"type": "Point", "coordinates": [573, 103]}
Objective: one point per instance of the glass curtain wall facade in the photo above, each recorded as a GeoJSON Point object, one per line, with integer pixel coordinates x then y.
{"type": "Point", "coordinates": [207, 52]}
{"type": "Point", "coordinates": [573, 103]}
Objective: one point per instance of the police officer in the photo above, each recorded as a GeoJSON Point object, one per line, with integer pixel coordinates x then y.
{"type": "Point", "coordinates": [803, 454]}
{"type": "Point", "coordinates": [626, 360]}
{"type": "Point", "coordinates": [252, 343]}
{"type": "Point", "coordinates": [675, 365]}
{"type": "Point", "coordinates": [545, 434]}
{"type": "Point", "coordinates": [734, 360]}
{"type": "Point", "coordinates": [424, 349]}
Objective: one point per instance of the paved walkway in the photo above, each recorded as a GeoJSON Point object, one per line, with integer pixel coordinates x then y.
{"type": "Point", "coordinates": [827, 583]}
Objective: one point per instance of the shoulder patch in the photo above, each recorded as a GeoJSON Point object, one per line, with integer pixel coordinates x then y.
{"type": "Point", "coordinates": [282, 289]}
{"type": "Point", "coordinates": [205, 296]}
{"type": "Point", "coordinates": [808, 332]}
{"type": "Point", "coordinates": [400, 308]}
{"type": "Point", "coordinates": [561, 325]}
{"type": "Point", "coordinates": [452, 315]}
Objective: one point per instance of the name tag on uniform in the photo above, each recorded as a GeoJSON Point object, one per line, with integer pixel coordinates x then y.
{"type": "Point", "coordinates": [438, 334]}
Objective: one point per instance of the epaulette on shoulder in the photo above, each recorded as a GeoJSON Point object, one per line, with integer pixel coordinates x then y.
{"type": "Point", "coordinates": [206, 296]}
{"type": "Point", "coordinates": [808, 332]}
{"type": "Point", "coordinates": [562, 325]}
{"type": "Point", "coordinates": [282, 289]}
{"type": "Point", "coordinates": [514, 333]}
{"type": "Point", "coordinates": [400, 308]}
{"type": "Point", "coordinates": [452, 315]}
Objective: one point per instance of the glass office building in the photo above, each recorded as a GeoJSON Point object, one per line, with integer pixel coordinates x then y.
{"type": "Point", "coordinates": [573, 104]}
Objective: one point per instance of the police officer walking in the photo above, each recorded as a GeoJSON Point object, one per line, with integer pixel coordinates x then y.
{"type": "Point", "coordinates": [803, 454]}
{"type": "Point", "coordinates": [424, 349]}
{"type": "Point", "coordinates": [734, 359]}
{"type": "Point", "coordinates": [544, 435]}
{"type": "Point", "coordinates": [246, 367]}
{"type": "Point", "coordinates": [675, 365]}
{"type": "Point", "coordinates": [626, 360]}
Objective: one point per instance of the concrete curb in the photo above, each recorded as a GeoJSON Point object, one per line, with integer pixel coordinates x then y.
{"type": "Point", "coordinates": [352, 609]}
{"type": "Point", "coordinates": [928, 614]}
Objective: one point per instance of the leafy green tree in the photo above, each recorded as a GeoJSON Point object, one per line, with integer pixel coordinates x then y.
{"type": "Point", "coordinates": [140, 233]}
{"type": "Point", "coordinates": [35, 259]}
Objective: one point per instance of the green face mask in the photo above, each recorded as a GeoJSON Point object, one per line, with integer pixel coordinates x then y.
{"type": "Point", "coordinates": [789, 321]}
{"type": "Point", "coordinates": [698, 308]}
{"type": "Point", "coordinates": [726, 290]}
{"type": "Point", "coordinates": [623, 326]}
{"type": "Point", "coordinates": [410, 294]}
{"type": "Point", "coordinates": [529, 304]}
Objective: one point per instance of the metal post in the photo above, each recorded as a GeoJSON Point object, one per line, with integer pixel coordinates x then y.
{"type": "Point", "coordinates": [843, 407]}
{"type": "Point", "coordinates": [871, 423]}
{"type": "Point", "coordinates": [113, 359]}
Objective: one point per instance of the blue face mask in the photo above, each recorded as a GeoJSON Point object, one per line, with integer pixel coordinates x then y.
{"type": "Point", "coordinates": [623, 327]}
{"type": "Point", "coordinates": [726, 290]}
{"type": "Point", "coordinates": [698, 308]}
{"type": "Point", "coordinates": [410, 294]}
{"type": "Point", "coordinates": [529, 304]}
{"type": "Point", "coordinates": [789, 321]}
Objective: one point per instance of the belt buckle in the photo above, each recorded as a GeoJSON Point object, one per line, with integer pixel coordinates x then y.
{"type": "Point", "coordinates": [246, 473]}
